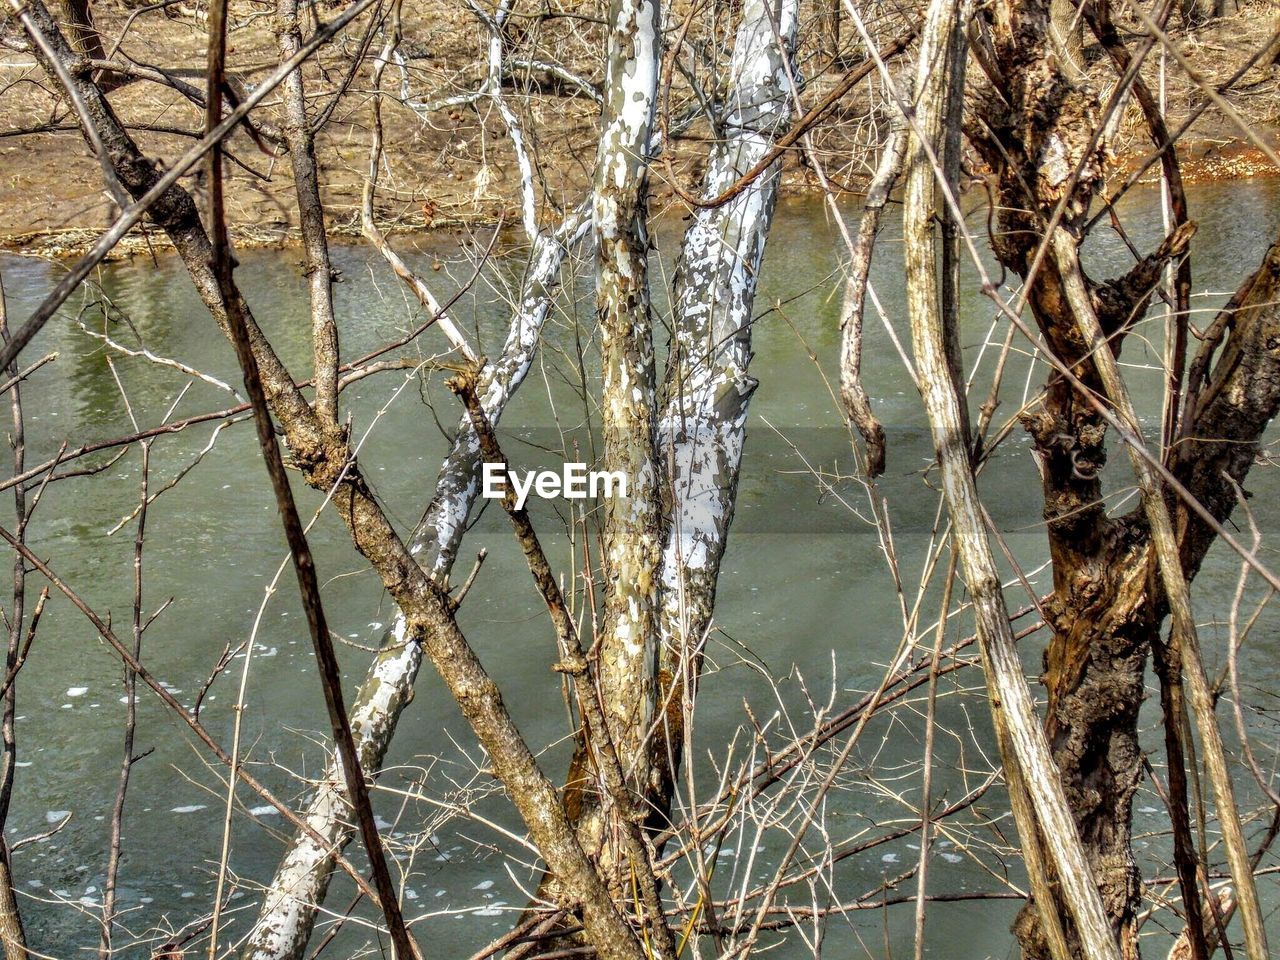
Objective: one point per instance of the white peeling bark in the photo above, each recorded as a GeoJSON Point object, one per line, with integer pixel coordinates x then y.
{"type": "Point", "coordinates": [492, 87]}
{"type": "Point", "coordinates": [707, 388]}
{"type": "Point", "coordinates": [288, 913]}
{"type": "Point", "coordinates": [632, 523]}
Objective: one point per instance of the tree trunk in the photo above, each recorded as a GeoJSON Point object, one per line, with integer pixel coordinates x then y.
{"type": "Point", "coordinates": [627, 647]}
{"type": "Point", "coordinates": [1051, 844]}
{"type": "Point", "coordinates": [706, 387]}
{"type": "Point", "coordinates": [1108, 605]}
{"type": "Point", "coordinates": [1095, 663]}
{"type": "Point", "coordinates": [12, 936]}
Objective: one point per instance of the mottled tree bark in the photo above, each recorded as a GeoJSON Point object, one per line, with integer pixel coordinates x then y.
{"type": "Point", "coordinates": [706, 388]}
{"type": "Point", "coordinates": [627, 647]}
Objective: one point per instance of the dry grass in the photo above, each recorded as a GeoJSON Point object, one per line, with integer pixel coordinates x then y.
{"type": "Point", "coordinates": [455, 165]}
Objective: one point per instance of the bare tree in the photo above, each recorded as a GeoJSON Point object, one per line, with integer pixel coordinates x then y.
{"type": "Point", "coordinates": [1043, 137]}
{"type": "Point", "coordinates": [707, 387]}
{"type": "Point", "coordinates": [653, 848]}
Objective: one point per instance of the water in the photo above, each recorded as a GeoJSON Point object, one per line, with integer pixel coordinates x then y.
{"type": "Point", "coordinates": [805, 595]}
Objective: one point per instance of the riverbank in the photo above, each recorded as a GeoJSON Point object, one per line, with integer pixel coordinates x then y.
{"type": "Point", "coordinates": [451, 168]}
{"type": "Point", "coordinates": [1211, 161]}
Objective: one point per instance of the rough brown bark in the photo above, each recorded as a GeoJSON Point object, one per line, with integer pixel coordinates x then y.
{"type": "Point", "coordinates": [1101, 631]}
{"type": "Point", "coordinates": [1096, 655]}
{"type": "Point", "coordinates": [12, 937]}
{"type": "Point", "coordinates": [1052, 846]}
{"type": "Point", "coordinates": [1107, 605]}
{"type": "Point", "coordinates": [1177, 594]}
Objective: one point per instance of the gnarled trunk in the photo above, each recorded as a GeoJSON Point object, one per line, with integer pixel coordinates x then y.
{"type": "Point", "coordinates": [1108, 605]}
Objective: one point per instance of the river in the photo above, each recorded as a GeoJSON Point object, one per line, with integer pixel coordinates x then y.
{"type": "Point", "coordinates": [805, 591]}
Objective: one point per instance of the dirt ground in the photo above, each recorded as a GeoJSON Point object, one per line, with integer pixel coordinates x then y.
{"type": "Point", "coordinates": [453, 165]}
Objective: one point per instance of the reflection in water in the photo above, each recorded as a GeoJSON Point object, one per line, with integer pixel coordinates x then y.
{"type": "Point", "coordinates": [805, 587]}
